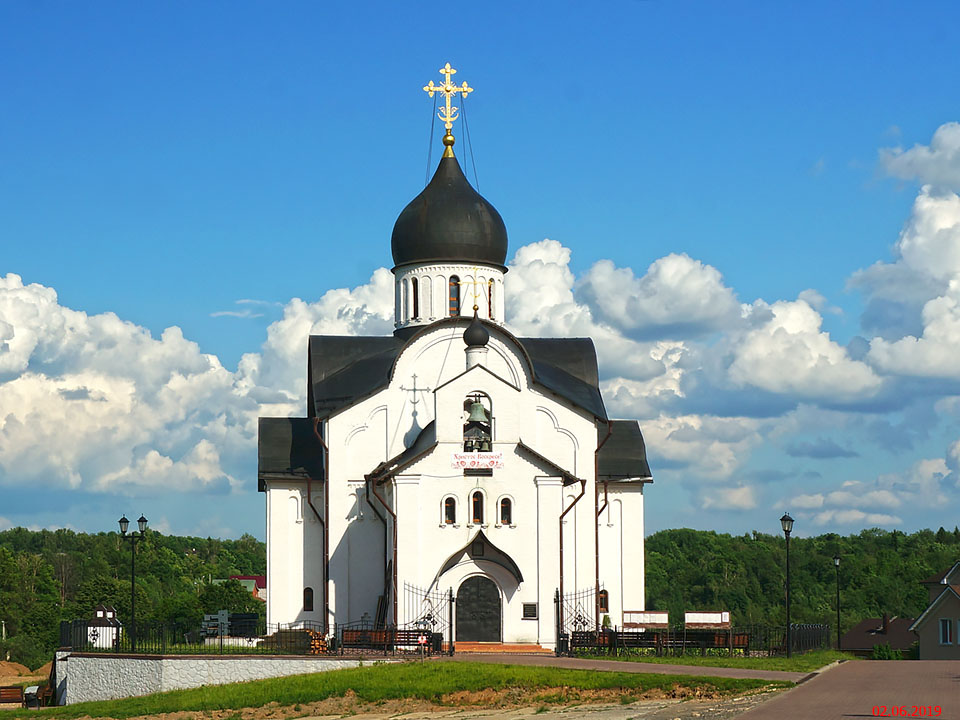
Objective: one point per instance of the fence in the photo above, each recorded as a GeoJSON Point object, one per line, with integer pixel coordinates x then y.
{"type": "Point", "coordinates": [757, 640]}
{"type": "Point", "coordinates": [303, 638]}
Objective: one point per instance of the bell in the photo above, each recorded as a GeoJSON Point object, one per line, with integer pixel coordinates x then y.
{"type": "Point", "coordinates": [485, 446]}
{"type": "Point", "coordinates": [477, 413]}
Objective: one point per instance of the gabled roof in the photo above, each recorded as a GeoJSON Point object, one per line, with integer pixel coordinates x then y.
{"type": "Point", "coordinates": [941, 578]}
{"type": "Point", "coordinates": [341, 370]}
{"type": "Point", "coordinates": [288, 448]}
{"type": "Point", "coordinates": [948, 590]}
{"type": "Point", "coordinates": [867, 633]}
{"type": "Point", "coordinates": [568, 477]}
{"type": "Point", "coordinates": [481, 549]}
{"type": "Point", "coordinates": [424, 444]}
{"type": "Point", "coordinates": [624, 454]}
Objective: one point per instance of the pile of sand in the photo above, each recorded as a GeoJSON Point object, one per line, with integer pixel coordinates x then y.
{"type": "Point", "coordinates": [43, 670]}
{"type": "Point", "coordinates": [12, 669]}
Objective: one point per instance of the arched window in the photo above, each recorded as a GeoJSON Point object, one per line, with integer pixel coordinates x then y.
{"type": "Point", "coordinates": [477, 505]}
{"type": "Point", "coordinates": [506, 511]}
{"type": "Point", "coordinates": [450, 511]}
{"type": "Point", "coordinates": [308, 599]}
{"type": "Point", "coordinates": [415, 288]}
{"type": "Point", "coordinates": [454, 296]}
{"type": "Point", "coordinates": [604, 601]}
{"type": "Point", "coordinates": [490, 299]}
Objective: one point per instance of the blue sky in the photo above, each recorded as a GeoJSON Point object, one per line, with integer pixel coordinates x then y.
{"type": "Point", "coordinates": [717, 183]}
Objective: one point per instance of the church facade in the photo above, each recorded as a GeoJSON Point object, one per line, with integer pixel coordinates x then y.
{"type": "Point", "coordinates": [452, 458]}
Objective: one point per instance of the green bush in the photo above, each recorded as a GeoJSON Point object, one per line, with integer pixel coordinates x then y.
{"type": "Point", "coordinates": [885, 652]}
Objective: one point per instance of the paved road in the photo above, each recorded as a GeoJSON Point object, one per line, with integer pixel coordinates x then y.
{"type": "Point", "coordinates": [853, 689]}
{"type": "Point", "coordinates": [625, 666]}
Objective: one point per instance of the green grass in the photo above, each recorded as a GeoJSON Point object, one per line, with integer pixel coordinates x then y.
{"type": "Point", "coordinates": [799, 663]}
{"type": "Point", "coordinates": [429, 681]}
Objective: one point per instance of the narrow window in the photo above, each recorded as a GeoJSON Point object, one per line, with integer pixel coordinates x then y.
{"type": "Point", "coordinates": [415, 287]}
{"type": "Point", "coordinates": [450, 511]}
{"type": "Point", "coordinates": [478, 508]}
{"type": "Point", "coordinates": [946, 631]}
{"type": "Point", "coordinates": [506, 512]}
{"type": "Point", "coordinates": [308, 599]}
{"type": "Point", "coordinates": [490, 299]}
{"type": "Point", "coordinates": [454, 296]}
{"type": "Point", "coordinates": [604, 601]}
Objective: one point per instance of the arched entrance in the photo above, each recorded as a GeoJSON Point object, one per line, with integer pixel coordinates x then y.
{"type": "Point", "coordinates": [478, 610]}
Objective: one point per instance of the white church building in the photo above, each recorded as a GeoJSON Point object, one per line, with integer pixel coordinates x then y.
{"type": "Point", "coordinates": [452, 459]}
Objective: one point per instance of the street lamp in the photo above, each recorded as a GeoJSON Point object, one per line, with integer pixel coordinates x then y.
{"type": "Point", "coordinates": [786, 522]}
{"type": "Point", "coordinates": [133, 537]}
{"type": "Point", "coordinates": [836, 564]}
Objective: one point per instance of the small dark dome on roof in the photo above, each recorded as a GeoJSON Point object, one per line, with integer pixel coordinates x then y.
{"type": "Point", "coordinates": [449, 221]}
{"type": "Point", "coordinates": [476, 335]}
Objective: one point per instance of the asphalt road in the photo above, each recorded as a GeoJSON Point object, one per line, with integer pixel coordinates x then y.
{"type": "Point", "coordinates": [865, 689]}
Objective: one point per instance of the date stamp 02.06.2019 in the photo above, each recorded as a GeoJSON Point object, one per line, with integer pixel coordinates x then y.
{"type": "Point", "coordinates": [908, 711]}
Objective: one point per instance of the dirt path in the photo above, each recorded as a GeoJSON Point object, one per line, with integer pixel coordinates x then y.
{"type": "Point", "coordinates": [725, 709]}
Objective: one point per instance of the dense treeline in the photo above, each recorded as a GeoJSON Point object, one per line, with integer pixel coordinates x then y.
{"type": "Point", "coordinates": [880, 572]}
{"type": "Point", "coordinates": [49, 576]}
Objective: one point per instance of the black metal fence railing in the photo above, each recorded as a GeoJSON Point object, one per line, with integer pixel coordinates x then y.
{"type": "Point", "coordinates": [302, 638]}
{"type": "Point", "coordinates": [756, 640]}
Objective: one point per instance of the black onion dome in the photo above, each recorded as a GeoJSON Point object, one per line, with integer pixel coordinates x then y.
{"type": "Point", "coordinates": [476, 335]}
{"type": "Point", "coordinates": [449, 221]}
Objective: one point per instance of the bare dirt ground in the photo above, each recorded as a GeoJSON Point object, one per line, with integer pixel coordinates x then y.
{"type": "Point", "coordinates": [513, 704]}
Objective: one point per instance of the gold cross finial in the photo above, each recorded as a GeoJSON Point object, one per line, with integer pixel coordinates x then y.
{"type": "Point", "coordinates": [474, 282]}
{"type": "Point", "coordinates": [447, 113]}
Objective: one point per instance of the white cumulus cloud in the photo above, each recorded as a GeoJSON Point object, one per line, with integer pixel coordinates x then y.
{"type": "Point", "coordinates": [937, 163]}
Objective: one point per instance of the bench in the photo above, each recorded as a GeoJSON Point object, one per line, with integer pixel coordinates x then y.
{"type": "Point", "coordinates": [11, 694]}
{"type": "Point", "coordinates": [383, 639]}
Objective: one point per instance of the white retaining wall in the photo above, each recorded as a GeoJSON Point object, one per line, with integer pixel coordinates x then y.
{"type": "Point", "coordinates": [83, 677]}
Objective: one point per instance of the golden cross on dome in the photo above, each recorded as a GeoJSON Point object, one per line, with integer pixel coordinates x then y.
{"type": "Point", "coordinates": [447, 113]}
{"type": "Point", "coordinates": [474, 282]}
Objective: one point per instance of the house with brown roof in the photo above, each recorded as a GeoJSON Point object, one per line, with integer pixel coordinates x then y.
{"type": "Point", "coordinates": [866, 634]}
{"type": "Point", "coordinates": [938, 627]}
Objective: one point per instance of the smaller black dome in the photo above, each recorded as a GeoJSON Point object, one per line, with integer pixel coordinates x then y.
{"type": "Point", "coordinates": [449, 221]}
{"type": "Point", "coordinates": [476, 335]}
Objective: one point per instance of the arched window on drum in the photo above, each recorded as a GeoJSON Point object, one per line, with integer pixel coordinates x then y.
{"type": "Point", "coordinates": [454, 296]}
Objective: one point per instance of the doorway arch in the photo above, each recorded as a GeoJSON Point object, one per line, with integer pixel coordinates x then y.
{"type": "Point", "coordinates": [478, 610]}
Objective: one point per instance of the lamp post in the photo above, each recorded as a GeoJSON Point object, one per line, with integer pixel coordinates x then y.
{"type": "Point", "coordinates": [133, 537]}
{"type": "Point", "coordinates": [786, 522]}
{"type": "Point", "coordinates": [836, 564]}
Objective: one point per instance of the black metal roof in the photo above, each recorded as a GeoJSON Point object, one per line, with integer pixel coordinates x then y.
{"type": "Point", "coordinates": [344, 369]}
{"type": "Point", "coordinates": [624, 454]}
{"type": "Point", "coordinates": [449, 221]}
{"type": "Point", "coordinates": [288, 447]}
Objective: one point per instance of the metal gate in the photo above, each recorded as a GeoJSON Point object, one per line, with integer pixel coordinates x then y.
{"type": "Point", "coordinates": [430, 611]}
{"type": "Point", "coordinates": [577, 611]}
